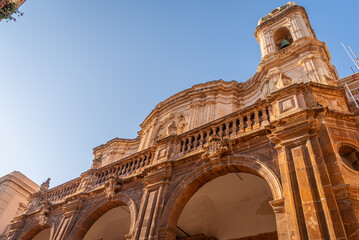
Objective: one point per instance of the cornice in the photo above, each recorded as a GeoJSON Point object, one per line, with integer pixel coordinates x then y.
{"type": "Point", "coordinates": [117, 140]}
{"type": "Point", "coordinates": [295, 51]}
{"type": "Point", "coordinates": [282, 14]}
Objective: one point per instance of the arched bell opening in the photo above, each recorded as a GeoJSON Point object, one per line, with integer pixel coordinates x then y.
{"type": "Point", "coordinates": [233, 206]}
{"type": "Point", "coordinates": [282, 38]}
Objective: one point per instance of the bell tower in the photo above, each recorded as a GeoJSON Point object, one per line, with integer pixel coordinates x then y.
{"type": "Point", "coordinates": [290, 50]}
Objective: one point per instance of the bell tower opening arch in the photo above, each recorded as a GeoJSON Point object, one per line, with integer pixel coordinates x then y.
{"type": "Point", "coordinates": [217, 191]}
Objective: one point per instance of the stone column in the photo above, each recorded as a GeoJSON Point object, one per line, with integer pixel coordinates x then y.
{"type": "Point", "coordinates": [156, 187]}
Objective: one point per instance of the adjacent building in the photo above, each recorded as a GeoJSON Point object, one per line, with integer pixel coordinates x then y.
{"type": "Point", "coordinates": [275, 157]}
{"type": "Point", "coordinates": [15, 188]}
{"type": "Point", "coordinates": [351, 86]}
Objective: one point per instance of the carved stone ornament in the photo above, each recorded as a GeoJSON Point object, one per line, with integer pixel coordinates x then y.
{"type": "Point", "coordinates": [96, 163]}
{"type": "Point", "coordinates": [15, 226]}
{"type": "Point", "coordinates": [45, 185]}
{"type": "Point", "coordinates": [215, 148]}
{"type": "Point", "coordinates": [44, 212]}
{"type": "Point", "coordinates": [283, 81]}
{"type": "Point", "coordinates": [328, 80]}
{"type": "Point", "coordinates": [112, 186]}
{"type": "Point", "coordinates": [172, 129]}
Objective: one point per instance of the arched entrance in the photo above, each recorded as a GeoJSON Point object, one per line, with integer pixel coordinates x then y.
{"type": "Point", "coordinates": [113, 225]}
{"type": "Point", "coordinates": [36, 231]}
{"type": "Point", "coordinates": [226, 200]}
{"type": "Point", "coordinates": [232, 206]}
{"type": "Point", "coordinates": [43, 235]}
{"type": "Point", "coordinates": [106, 220]}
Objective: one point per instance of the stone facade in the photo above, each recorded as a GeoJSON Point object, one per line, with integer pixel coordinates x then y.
{"type": "Point", "coordinates": [275, 157]}
{"type": "Point", "coordinates": [15, 188]}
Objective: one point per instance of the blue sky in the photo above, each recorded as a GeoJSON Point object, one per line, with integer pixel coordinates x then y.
{"type": "Point", "coordinates": [75, 74]}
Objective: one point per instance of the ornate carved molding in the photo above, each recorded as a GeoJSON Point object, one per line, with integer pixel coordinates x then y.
{"type": "Point", "coordinates": [44, 212]}
{"type": "Point", "coordinates": [16, 225]}
{"type": "Point", "coordinates": [73, 205]}
{"type": "Point", "coordinates": [158, 176]}
{"type": "Point", "coordinates": [215, 149]}
{"type": "Point", "coordinates": [112, 185]}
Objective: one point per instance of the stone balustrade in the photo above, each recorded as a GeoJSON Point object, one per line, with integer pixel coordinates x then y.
{"type": "Point", "coordinates": [234, 125]}
{"type": "Point", "coordinates": [58, 193]}
{"type": "Point", "coordinates": [95, 178]}
{"type": "Point", "coordinates": [124, 167]}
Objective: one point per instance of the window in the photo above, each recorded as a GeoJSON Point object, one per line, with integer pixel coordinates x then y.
{"type": "Point", "coordinates": [350, 157]}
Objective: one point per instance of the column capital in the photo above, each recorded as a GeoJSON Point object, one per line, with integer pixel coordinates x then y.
{"type": "Point", "coordinates": [157, 177]}
{"type": "Point", "coordinates": [72, 206]}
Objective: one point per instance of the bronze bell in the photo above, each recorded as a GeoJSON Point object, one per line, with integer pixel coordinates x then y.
{"type": "Point", "coordinates": [284, 43]}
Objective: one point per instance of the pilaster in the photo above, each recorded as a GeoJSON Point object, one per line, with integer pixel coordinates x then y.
{"type": "Point", "coordinates": [314, 213]}
{"type": "Point", "coordinates": [156, 187]}
{"type": "Point", "coordinates": [71, 209]}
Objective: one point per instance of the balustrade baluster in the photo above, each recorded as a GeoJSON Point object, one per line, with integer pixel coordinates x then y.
{"type": "Point", "coordinates": [201, 141]}
{"type": "Point", "coordinates": [220, 131]}
{"type": "Point", "coordinates": [189, 144]}
{"type": "Point", "coordinates": [245, 123]}
{"type": "Point", "coordinates": [227, 129]}
{"type": "Point", "coordinates": [264, 116]}
{"type": "Point", "coordinates": [208, 134]}
{"type": "Point", "coordinates": [195, 142]}
{"type": "Point", "coordinates": [270, 113]}
{"type": "Point", "coordinates": [186, 145]}
{"type": "Point", "coordinates": [256, 119]}
{"type": "Point", "coordinates": [234, 132]}
{"type": "Point", "coordinates": [132, 166]}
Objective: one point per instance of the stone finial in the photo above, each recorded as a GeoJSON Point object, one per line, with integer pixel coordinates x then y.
{"type": "Point", "coordinates": [45, 185]}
